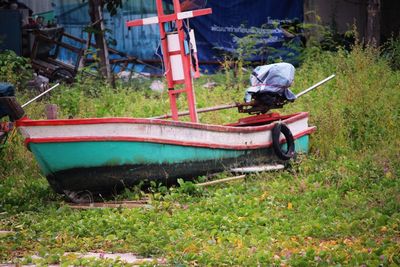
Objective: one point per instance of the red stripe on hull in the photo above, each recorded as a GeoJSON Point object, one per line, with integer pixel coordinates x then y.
{"type": "Point", "coordinates": [156, 140]}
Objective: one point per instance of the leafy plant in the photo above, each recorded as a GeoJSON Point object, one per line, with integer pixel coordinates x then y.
{"type": "Point", "coordinates": [14, 69]}
{"type": "Point", "coordinates": [391, 51]}
{"type": "Point", "coordinates": [257, 46]}
{"type": "Point", "coordinates": [339, 205]}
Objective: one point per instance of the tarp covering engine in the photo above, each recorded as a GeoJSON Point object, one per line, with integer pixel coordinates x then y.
{"type": "Point", "coordinates": [270, 80]}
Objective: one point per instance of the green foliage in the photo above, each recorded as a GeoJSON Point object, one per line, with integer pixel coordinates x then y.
{"type": "Point", "coordinates": [256, 44]}
{"type": "Point", "coordinates": [328, 38]}
{"type": "Point", "coordinates": [337, 206]}
{"type": "Point", "coordinates": [359, 105]}
{"type": "Point", "coordinates": [391, 51]}
{"type": "Point", "coordinates": [14, 69]}
{"type": "Point", "coordinates": [111, 5]}
{"type": "Point", "coordinates": [188, 187]}
{"type": "Point", "coordinates": [318, 212]}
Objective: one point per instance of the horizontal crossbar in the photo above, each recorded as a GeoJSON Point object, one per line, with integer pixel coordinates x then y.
{"type": "Point", "coordinates": [170, 17]}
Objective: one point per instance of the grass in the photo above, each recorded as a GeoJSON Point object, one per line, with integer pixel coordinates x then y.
{"type": "Point", "coordinates": [340, 205]}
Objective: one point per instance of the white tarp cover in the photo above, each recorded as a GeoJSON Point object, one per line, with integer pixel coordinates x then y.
{"type": "Point", "coordinates": [274, 78]}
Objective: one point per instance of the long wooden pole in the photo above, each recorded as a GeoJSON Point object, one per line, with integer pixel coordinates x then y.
{"type": "Point", "coordinates": [235, 105]}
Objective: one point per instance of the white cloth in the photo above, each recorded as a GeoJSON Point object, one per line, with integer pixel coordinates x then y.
{"type": "Point", "coordinates": [275, 78]}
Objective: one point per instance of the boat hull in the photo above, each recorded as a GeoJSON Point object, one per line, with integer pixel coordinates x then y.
{"type": "Point", "coordinates": [118, 173]}
{"type": "Point", "coordinates": [107, 155]}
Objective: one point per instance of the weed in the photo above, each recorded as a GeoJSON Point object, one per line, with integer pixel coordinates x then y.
{"type": "Point", "coordinates": [391, 51]}
{"type": "Point", "coordinates": [14, 69]}
{"type": "Point", "coordinates": [337, 206]}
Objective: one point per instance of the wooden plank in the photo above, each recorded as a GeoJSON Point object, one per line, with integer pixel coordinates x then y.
{"type": "Point", "coordinates": [255, 169]}
{"type": "Point", "coordinates": [65, 45]}
{"type": "Point", "coordinates": [111, 205]}
{"type": "Point", "coordinates": [224, 180]}
{"type": "Point", "coordinates": [130, 259]}
{"type": "Point", "coordinates": [51, 111]}
{"type": "Point", "coordinates": [11, 108]}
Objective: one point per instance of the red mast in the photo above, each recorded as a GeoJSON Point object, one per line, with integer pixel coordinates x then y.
{"type": "Point", "coordinates": [178, 44]}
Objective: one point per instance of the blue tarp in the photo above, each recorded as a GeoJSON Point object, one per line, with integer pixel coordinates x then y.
{"type": "Point", "coordinates": [215, 34]}
{"type": "Point", "coordinates": [235, 19]}
{"type": "Point", "coordinates": [10, 31]}
{"type": "Point", "coordinates": [6, 89]}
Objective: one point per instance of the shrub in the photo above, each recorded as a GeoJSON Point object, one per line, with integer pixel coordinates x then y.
{"type": "Point", "coordinates": [14, 69]}
{"type": "Point", "coordinates": [391, 52]}
{"type": "Point", "coordinates": [357, 112]}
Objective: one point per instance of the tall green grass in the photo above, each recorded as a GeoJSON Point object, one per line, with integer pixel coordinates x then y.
{"type": "Point", "coordinates": [344, 196]}
{"type": "Point", "coordinates": [356, 114]}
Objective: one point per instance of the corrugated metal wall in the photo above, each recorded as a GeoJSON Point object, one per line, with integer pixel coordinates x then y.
{"type": "Point", "coordinates": [10, 31]}
{"type": "Point", "coordinates": [138, 41]}
{"type": "Point", "coordinates": [143, 42]}
{"type": "Point", "coordinates": [39, 6]}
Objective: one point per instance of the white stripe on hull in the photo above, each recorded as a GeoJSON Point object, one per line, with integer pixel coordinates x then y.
{"type": "Point", "coordinates": [159, 131]}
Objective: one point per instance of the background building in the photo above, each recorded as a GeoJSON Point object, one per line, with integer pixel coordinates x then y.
{"type": "Point", "coordinates": [375, 19]}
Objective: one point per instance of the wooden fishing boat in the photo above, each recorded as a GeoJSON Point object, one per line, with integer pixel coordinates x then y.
{"type": "Point", "coordinates": [107, 154]}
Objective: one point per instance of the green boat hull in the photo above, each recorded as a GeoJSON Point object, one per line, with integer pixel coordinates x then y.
{"type": "Point", "coordinates": [109, 166]}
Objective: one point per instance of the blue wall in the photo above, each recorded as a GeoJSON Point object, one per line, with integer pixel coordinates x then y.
{"type": "Point", "coordinates": [10, 31]}
{"type": "Point", "coordinates": [230, 18]}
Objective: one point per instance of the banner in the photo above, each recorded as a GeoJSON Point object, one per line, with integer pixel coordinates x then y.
{"type": "Point", "coordinates": [216, 34]}
{"type": "Point", "coordinates": [220, 32]}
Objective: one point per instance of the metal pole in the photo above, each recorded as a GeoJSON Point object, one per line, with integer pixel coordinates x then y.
{"type": "Point", "coordinates": [315, 86]}
{"type": "Point", "coordinates": [234, 105]}
{"type": "Point", "coordinates": [45, 92]}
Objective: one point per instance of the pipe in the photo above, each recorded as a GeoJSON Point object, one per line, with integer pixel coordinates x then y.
{"type": "Point", "coordinates": [234, 105]}
{"type": "Point", "coordinates": [315, 86]}
{"type": "Point", "coordinates": [45, 92]}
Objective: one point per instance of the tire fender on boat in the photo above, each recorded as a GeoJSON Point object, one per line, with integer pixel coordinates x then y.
{"type": "Point", "coordinates": [279, 151]}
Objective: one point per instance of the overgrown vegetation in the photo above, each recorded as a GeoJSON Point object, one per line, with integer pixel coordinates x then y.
{"type": "Point", "coordinates": [14, 69]}
{"type": "Point", "coordinates": [391, 51]}
{"type": "Point", "coordinates": [340, 205]}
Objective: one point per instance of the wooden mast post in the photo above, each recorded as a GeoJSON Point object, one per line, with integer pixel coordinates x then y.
{"type": "Point", "coordinates": [176, 52]}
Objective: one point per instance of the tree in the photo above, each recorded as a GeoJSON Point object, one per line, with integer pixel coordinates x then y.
{"type": "Point", "coordinates": [96, 8]}
{"type": "Point", "coordinates": [373, 22]}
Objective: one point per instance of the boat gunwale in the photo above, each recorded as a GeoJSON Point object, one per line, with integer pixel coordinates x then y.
{"type": "Point", "coordinates": [209, 127]}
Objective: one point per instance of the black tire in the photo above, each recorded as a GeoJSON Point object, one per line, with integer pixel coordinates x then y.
{"type": "Point", "coordinates": [279, 151]}
{"type": "Point", "coordinates": [3, 138]}
{"type": "Point", "coordinates": [79, 197]}
{"type": "Point", "coordinates": [62, 75]}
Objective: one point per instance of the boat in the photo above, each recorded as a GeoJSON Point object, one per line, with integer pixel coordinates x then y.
{"type": "Point", "coordinates": [104, 155]}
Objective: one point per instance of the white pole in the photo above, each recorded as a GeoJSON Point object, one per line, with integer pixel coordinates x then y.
{"type": "Point", "coordinates": [315, 86]}
{"type": "Point", "coordinates": [45, 92]}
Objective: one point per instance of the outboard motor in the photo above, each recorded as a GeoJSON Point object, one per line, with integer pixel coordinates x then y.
{"type": "Point", "coordinates": [269, 88]}
{"type": "Point", "coordinates": [8, 104]}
